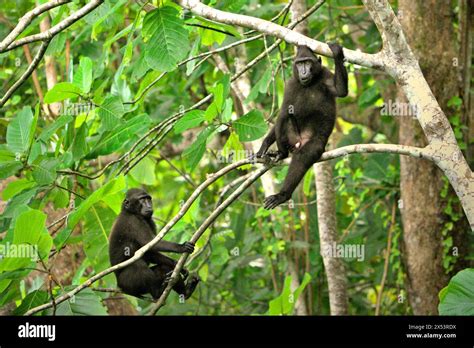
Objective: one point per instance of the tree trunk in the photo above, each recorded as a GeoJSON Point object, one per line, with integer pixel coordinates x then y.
{"type": "Point", "coordinates": [326, 200]}
{"type": "Point", "coordinates": [335, 268]}
{"type": "Point", "coordinates": [429, 30]}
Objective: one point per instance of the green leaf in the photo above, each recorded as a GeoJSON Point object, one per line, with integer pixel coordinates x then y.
{"type": "Point", "coordinates": [144, 172]}
{"type": "Point", "coordinates": [52, 128]}
{"type": "Point", "coordinates": [33, 299]}
{"type": "Point", "coordinates": [115, 139]}
{"type": "Point", "coordinates": [79, 145]}
{"type": "Point", "coordinates": [285, 303]}
{"type": "Point", "coordinates": [83, 75]}
{"type": "Point", "coordinates": [211, 112]}
{"type": "Point", "coordinates": [15, 187]}
{"type": "Point", "coordinates": [85, 302]}
{"type": "Point", "coordinates": [19, 131]}
{"type": "Point", "coordinates": [9, 168]}
{"type": "Point", "coordinates": [111, 111]}
{"type": "Point", "coordinates": [369, 96]}
{"type": "Point", "coordinates": [168, 41]}
{"type": "Point", "coordinates": [251, 126]}
{"type": "Point", "coordinates": [19, 202]}
{"type": "Point", "coordinates": [29, 232]}
{"type": "Point", "coordinates": [44, 173]}
{"type": "Point", "coordinates": [218, 92]}
{"type": "Point", "coordinates": [110, 188]}
{"type": "Point", "coordinates": [98, 223]}
{"type": "Point", "coordinates": [193, 154]}
{"type": "Point", "coordinates": [455, 101]}
{"type": "Point", "coordinates": [204, 272]}
{"type": "Point", "coordinates": [190, 119]}
{"type": "Point", "coordinates": [233, 147]}
{"type": "Point", "coordinates": [261, 86]}
{"type": "Point", "coordinates": [458, 297]}
{"type": "Point", "coordinates": [61, 91]}
{"type": "Point", "coordinates": [226, 114]}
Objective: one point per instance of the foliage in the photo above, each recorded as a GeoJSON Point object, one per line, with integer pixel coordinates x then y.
{"type": "Point", "coordinates": [458, 297]}
{"type": "Point", "coordinates": [126, 120]}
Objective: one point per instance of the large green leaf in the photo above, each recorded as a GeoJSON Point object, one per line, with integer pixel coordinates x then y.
{"type": "Point", "coordinates": [9, 168]}
{"type": "Point", "coordinates": [111, 112]}
{"type": "Point", "coordinates": [190, 119]}
{"type": "Point", "coordinates": [115, 139]}
{"type": "Point", "coordinates": [44, 172]}
{"type": "Point", "coordinates": [85, 302]}
{"type": "Point", "coordinates": [19, 131]}
{"type": "Point", "coordinates": [61, 91]}
{"type": "Point", "coordinates": [110, 188]}
{"type": "Point", "coordinates": [194, 153]}
{"type": "Point", "coordinates": [168, 41]}
{"type": "Point", "coordinates": [251, 126]}
{"type": "Point", "coordinates": [98, 223]}
{"type": "Point", "coordinates": [458, 297]}
{"type": "Point", "coordinates": [144, 172]}
{"type": "Point", "coordinates": [15, 187]}
{"type": "Point", "coordinates": [52, 128]}
{"type": "Point", "coordinates": [285, 303]}
{"type": "Point", "coordinates": [79, 145]}
{"type": "Point", "coordinates": [83, 75]}
{"type": "Point", "coordinates": [33, 299]}
{"type": "Point", "coordinates": [30, 231]}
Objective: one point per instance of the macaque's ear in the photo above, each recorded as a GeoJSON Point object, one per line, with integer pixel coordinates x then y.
{"type": "Point", "coordinates": [126, 203]}
{"type": "Point", "coordinates": [319, 59]}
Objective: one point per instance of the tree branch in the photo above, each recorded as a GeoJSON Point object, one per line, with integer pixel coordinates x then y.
{"type": "Point", "coordinates": [369, 60]}
{"type": "Point", "coordinates": [27, 73]}
{"type": "Point", "coordinates": [64, 24]}
{"type": "Point", "coordinates": [27, 19]}
{"type": "Point", "coordinates": [365, 148]}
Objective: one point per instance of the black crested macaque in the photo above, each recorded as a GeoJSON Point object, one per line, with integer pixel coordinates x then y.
{"type": "Point", "coordinates": [133, 229]}
{"type": "Point", "coordinates": [307, 116]}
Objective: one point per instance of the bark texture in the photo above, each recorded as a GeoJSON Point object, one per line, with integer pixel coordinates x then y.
{"type": "Point", "coordinates": [335, 268]}
{"type": "Point", "coordinates": [428, 28]}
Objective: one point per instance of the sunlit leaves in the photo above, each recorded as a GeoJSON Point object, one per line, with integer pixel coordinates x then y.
{"type": "Point", "coordinates": [167, 39]}
{"type": "Point", "coordinates": [115, 139]}
{"type": "Point", "coordinates": [83, 76]}
{"type": "Point", "coordinates": [458, 297]}
{"type": "Point", "coordinates": [194, 153]}
{"type": "Point", "coordinates": [251, 126]}
{"type": "Point", "coordinates": [62, 91]}
{"type": "Point", "coordinates": [285, 303]}
{"type": "Point", "coordinates": [19, 131]}
{"type": "Point", "coordinates": [110, 112]}
{"type": "Point", "coordinates": [189, 120]}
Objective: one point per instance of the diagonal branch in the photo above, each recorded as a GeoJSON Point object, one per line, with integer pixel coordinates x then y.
{"type": "Point", "coordinates": [366, 148]}
{"type": "Point", "coordinates": [49, 34]}
{"type": "Point", "coordinates": [369, 60]}
{"type": "Point", "coordinates": [210, 219]}
{"type": "Point", "coordinates": [27, 19]}
{"type": "Point", "coordinates": [27, 73]}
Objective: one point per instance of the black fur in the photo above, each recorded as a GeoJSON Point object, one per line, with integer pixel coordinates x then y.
{"type": "Point", "coordinates": [133, 229]}
{"type": "Point", "coordinates": [307, 116]}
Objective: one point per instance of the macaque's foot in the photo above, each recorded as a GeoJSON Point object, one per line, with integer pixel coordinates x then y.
{"type": "Point", "coordinates": [184, 273]}
{"type": "Point", "coordinates": [191, 285]}
{"type": "Point", "coordinates": [273, 201]}
{"type": "Point", "coordinates": [168, 277]}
